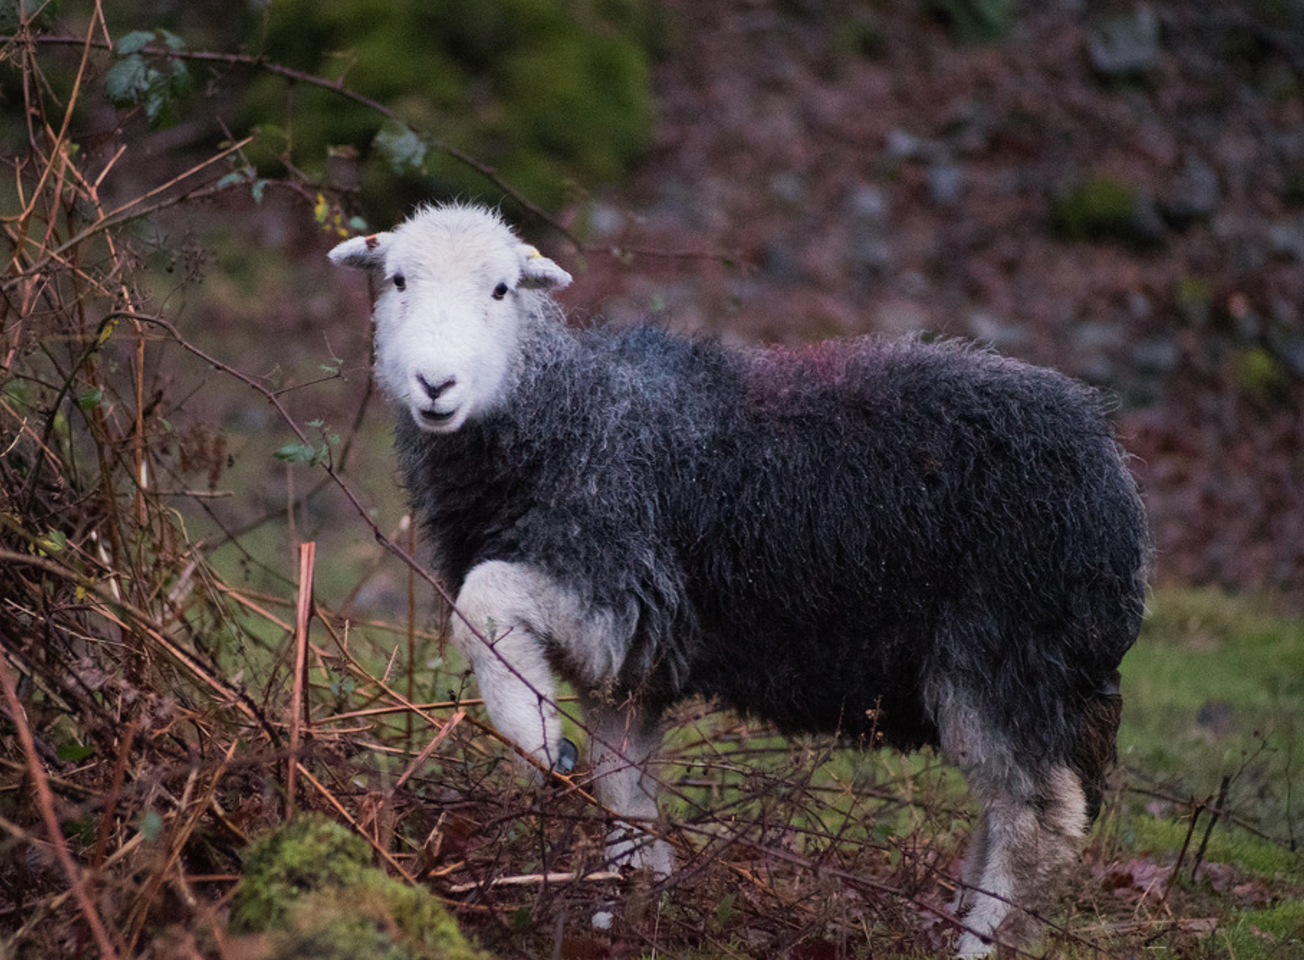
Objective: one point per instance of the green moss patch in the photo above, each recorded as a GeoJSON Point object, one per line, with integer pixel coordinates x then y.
{"type": "Point", "coordinates": [311, 890]}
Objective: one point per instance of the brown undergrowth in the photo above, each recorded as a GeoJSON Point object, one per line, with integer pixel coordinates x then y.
{"type": "Point", "coordinates": [159, 711]}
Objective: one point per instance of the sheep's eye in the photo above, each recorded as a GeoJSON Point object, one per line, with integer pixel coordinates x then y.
{"type": "Point", "coordinates": [400, 281]}
{"type": "Point", "coordinates": [500, 291]}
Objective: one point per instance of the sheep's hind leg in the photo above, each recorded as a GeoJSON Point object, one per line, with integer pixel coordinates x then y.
{"type": "Point", "coordinates": [975, 862]}
{"type": "Point", "coordinates": [622, 741]}
{"type": "Point", "coordinates": [1030, 839]}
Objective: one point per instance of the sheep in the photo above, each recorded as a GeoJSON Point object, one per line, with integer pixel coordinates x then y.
{"type": "Point", "coordinates": [902, 543]}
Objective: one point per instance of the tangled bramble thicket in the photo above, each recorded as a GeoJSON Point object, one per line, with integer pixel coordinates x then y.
{"type": "Point", "coordinates": [160, 710]}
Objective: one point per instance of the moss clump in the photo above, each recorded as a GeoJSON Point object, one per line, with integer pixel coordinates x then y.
{"type": "Point", "coordinates": [977, 21]}
{"type": "Point", "coordinates": [1193, 297]}
{"type": "Point", "coordinates": [545, 93]}
{"type": "Point", "coordinates": [1260, 376]}
{"type": "Point", "coordinates": [311, 891]}
{"type": "Point", "coordinates": [1102, 208]}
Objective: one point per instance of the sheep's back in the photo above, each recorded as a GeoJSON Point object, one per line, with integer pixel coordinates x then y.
{"type": "Point", "coordinates": [880, 511]}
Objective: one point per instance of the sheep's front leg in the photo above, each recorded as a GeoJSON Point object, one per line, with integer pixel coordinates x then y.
{"type": "Point", "coordinates": [499, 625]}
{"type": "Point", "coordinates": [622, 741]}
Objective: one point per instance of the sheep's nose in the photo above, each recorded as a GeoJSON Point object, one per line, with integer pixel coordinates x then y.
{"type": "Point", "coordinates": [435, 390]}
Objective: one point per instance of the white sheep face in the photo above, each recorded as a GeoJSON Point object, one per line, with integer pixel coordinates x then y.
{"type": "Point", "coordinates": [455, 289]}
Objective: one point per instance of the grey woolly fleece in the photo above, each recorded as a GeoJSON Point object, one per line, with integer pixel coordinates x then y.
{"type": "Point", "coordinates": [842, 538]}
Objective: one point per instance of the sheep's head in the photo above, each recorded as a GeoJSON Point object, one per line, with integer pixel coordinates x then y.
{"type": "Point", "coordinates": [454, 286]}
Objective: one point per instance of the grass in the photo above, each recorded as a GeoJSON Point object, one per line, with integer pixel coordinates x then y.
{"type": "Point", "coordinates": [1214, 692]}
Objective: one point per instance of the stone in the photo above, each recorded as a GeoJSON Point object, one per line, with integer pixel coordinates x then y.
{"type": "Point", "coordinates": [945, 183]}
{"type": "Point", "coordinates": [1192, 194]}
{"type": "Point", "coordinates": [1126, 45]}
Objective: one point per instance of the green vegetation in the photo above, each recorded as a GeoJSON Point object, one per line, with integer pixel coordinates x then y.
{"type": "Point", "coordinates": [134, 81]}
{"type": "Point", "coordinates": [1095, 208]}
{"type": "Point", "coordinates": [977, 21]}
{"type": "Point", "coordinates": [546, 93]}
{"type": "Point", "coordinates": [1214, 690]}
{"type": "Point", "coordinates": [1261, 376]}
{"type": "Point", "coordinates": [311, 888]}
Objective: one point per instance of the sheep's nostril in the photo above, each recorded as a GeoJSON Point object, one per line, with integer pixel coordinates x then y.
{"type": "Point", "coordinates": [435, 390]}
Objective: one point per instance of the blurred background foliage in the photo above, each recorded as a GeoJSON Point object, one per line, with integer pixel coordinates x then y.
{"type": "Point", "coordinates": [550, 94]}
{"type": "Point", "coordinates": [554, 97]}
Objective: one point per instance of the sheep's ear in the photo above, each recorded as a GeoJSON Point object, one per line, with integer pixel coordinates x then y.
{"type": "Point", "coordinates": [541, 273]}
{"type": "Point", "coordinates": [364, 253]}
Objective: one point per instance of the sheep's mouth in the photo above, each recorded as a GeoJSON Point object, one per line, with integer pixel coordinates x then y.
{"type": "Point", "coordinates": [436, 418]}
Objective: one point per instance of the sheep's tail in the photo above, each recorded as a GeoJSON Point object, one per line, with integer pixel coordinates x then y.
{"type": "Point", "coordinates": [1096, 750]}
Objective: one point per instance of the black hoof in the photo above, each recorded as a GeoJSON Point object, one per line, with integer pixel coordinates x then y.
{"type": "Point", "coordinates": [567, 754]}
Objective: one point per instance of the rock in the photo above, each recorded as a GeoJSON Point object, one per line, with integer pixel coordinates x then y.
{"type": "Point", "coordinates": [606, 220]}
{"type": "Point", "coordinates": [903, 145]}
{"type": "Point", "coordinates": [1139, 307]}
{"type": "Point", "coordinates": [782, 262]}
{"type": "Point", "coordinates": [868, 204]}
{"type": "Point", "coordinates": [868, 248]}
{"type": "Point", "coordinates": [869, 255]}
{"type": "Point", "coordinates": [1125, 46]}
{"type": "Point", "coordinates": [1289, 349]}
{"type": "Point", "coordinates": [1156, 355]}
{"type": "Point", "coordinates": [1192, 195]}
{"type": "Point", "coordinates": [788, 187]}
{"type": "Point", "coordinates": [899, 317]}
{"type": "Point", "coordinates": [945, 182]}
{"type": "Point", "coordinates": [1094, 344]}
{"type": "Point", "coordinates": [1286, 238]}
{"type": "Point", "coordinates": [1004, 337]}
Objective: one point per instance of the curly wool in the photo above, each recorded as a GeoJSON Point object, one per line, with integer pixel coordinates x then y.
{"type": "Point", "coordinates": [848, 537]}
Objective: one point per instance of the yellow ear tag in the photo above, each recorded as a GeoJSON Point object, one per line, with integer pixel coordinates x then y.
{"type": "Point", "coordinates": [534, 254]}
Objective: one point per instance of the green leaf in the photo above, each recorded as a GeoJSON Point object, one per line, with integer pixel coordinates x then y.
{"type": "Point", "coordinates": [126, 81]}
{"type": "Point", "coordinates": [90, 399]}
{"type": "Point", "coordinates": [297, 452]}
{"type": "Point", "coordinates": [158, 103]}
{"type": "Point", "coordinates": [725, 909]}
{"type": "Point", "coordinates": [179, 82]}
{"type": "Point", "coordinates": [171, 39]}
{"type": "Point", "coordinates": [403, 148]}
{"type": "Point", "coordinates": [73, 752]}
{"type": "Point", "coordinates": [151, 825]}
{"type": "Point", "coordinates": [135, 42]}
{"type": "Point", "coordinates": [17, 392]}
